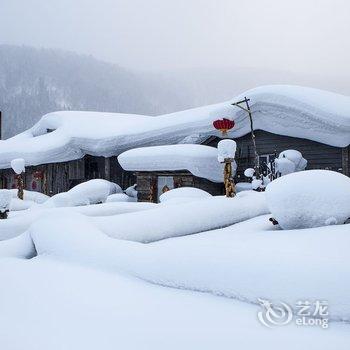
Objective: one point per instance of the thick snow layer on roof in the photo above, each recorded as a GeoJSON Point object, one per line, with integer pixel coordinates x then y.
{"type": "Point", "coordinates": [287, 110]}
{"type": "Point", "coordinates": [200, 160]}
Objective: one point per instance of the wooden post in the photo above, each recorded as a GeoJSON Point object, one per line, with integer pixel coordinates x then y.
{"type": "Point", "coordinates": [107, 169]}
{"type": "Point", "coordinates": [230, 188]}
{"type": "Point", "coordinates": [248, 110]}
{"type": "Point", "coordinates": [346, 160]}
{"type": "Point", "coordinates": [256, 155]}
{"type": "Point", "coordinates": [20, 186]}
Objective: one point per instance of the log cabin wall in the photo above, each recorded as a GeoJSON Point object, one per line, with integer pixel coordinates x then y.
{"type": "Point", "coordinates": [318, 155]}
{"type": "Point", "coordinates": [60, 177]}
{"type": "Point", "coordinates": [147, 184]}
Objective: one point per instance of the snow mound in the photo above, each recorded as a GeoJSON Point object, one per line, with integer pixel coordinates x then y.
{"type": "Point", "coordinates": [183, 195]}
{"type": "Point", "coordinates": [60, 200]}
{"type": "Point", "coordinates": [131, 191]}
{"type": "Point", "coordinates": [89, 192]}
{"type": "Point", "coordinates": [167, 221]}
{"type": "Point", "coordinates": [226, 150]}
{"type": "Point", "coordinates": [18, 165]}
{"type": "Point", "coordinates": [246, 261]}
{"type": "Point", "coordinates": [120, 197]}
{"type": "Point", "coordinates": [32, 196]}
{"type": "Point", "coordinates": [200, 160]}
{"type": "Point", "coordinates": [310, 198]}
{"type": "Point", "coordinates": [290, 161]}
{"type": "Point", "coordinates": [19, 204]}
{"type": "Point", "coordinates": [5, 200]}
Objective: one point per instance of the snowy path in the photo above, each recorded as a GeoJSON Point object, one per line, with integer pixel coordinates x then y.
{"type": "Point", "coordinates": [48, 304]}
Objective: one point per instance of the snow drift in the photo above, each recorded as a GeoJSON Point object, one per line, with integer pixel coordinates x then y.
{"type": "Point", "coordinates": [309, 199]}
{"type": "Point", "coordinates": [183, 194]}
{"type": "Point", "coordinates": [246, 261]}
{"type": "Point", "coordinates": [185, 219]}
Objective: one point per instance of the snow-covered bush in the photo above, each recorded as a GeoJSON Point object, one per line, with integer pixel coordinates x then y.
{"type": "Point", "coordinates": [93, 191]}
{"type": "Point", "coordinates": [120, 197]}
{"type": "Point", "coordinates": [183, 194]}
{"type": "Point", "coordinates": [249, 172]}
{"type": "Point", "coordinates": [256, 184]}
{"type": "Point", "coordinates": [89, 192]}
{"type": "Point", "coordinates": [59, 200]}
{"type": "Point", "coordinates": [290, 161]}
{"type": "Point", "coordinates": [5, 200]}
{"type": "Point", "coordinates": [226, 150]}
{"type": "Point", "coordinates": [20, 204]}
{"type": "Point", "coordinates": [32, 196]}
{"type": "Point", "coordinates": [310, 198]}
{"type": "Point", "coordinates": [18, 165]}
{"type": "Point", "coordinates": [131, 191]}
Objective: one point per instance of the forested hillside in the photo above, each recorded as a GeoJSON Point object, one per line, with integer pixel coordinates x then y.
{"type": "Point", "coordinates": [37, 81]}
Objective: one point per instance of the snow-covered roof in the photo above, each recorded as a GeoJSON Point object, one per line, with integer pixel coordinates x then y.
{"type": "Point", "coordinates": [286, 110]}
{"type": "Point", "coordinates": [199, 160]}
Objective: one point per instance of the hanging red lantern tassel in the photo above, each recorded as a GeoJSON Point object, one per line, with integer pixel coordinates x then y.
{"type": "Point", "coordinates": [223, 125]}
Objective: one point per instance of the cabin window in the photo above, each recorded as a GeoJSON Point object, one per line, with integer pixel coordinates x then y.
{"type": "Point", "coordinates": [266, 162]}
{"type": "Point", "coordinates": [165, 183]}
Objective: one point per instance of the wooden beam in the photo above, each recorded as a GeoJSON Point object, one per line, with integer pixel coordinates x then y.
{"type": "Point", "coordinates": [345, 156]}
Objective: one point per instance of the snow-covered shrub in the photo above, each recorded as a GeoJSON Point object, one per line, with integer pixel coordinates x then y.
{"type": "Point", "coordinates": [256, 183]}
{"type": "Point", "coordinates": [290, 161]}
{"type": "Point", "coordinates": [5, 200]}
{"type": "Point", "coordinates": [131, 191]}
{"type": "Point", "coordinates": [19, 204]}
{"type": "Point", "coordinates": [32, 196]}
{"type": "Point", "coordinates": [243, 186]}
{"type": "Point", "coordinates": [93, 191]}
{"type": "Point", "coordinates": [226, 150]}
{"type": "Point", "coordinates": [310, 198]}
{"type": "Point", "coordinates": [249, 172]}
{"type": "Point", "coordinates": [120, 197]}
{"type": "Point", "coordinates": [18, 165]}
{"type": "Point", "coordinates": [59, 200]}
{"type": "Point", "coordinates": [183, 194]}
{"type": "Point", "coordinates": [89, 192]}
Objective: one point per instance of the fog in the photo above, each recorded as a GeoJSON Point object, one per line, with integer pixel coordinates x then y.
{"type": "Point", "coordinates": [302, 36]}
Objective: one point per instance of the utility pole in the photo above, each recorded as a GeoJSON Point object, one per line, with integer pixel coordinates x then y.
{"type": "Point", "coordinates": [248, 110]}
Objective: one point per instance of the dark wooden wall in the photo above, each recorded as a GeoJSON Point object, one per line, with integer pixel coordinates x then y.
{"type": "Point", "coordinates": [318, 155]}
{"type": "Point", "coordinates": [60, 177]}
{"type": "Point", "coordinates": [147, 184]}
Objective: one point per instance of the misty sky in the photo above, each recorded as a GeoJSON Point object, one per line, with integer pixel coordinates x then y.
{"type": "Point", "coordinates": [297, 35]}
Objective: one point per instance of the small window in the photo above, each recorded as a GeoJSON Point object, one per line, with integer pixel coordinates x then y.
{"type": "Point", "coordinates": [165, 183]}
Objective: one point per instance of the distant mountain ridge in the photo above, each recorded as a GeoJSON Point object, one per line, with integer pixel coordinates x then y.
{"type": "Point", "coordinates": [34, 82]}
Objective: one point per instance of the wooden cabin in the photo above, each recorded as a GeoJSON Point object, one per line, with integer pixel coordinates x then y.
{"type": "Point", "coordinates": [58, 177]}
{"type": "Point", "coordinates": [269, 145]}
{"type": "Point", "coordinates": [54, 178]}
{"type": "Point", "coordinates": [151, 185]}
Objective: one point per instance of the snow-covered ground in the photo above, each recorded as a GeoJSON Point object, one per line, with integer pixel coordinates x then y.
{"type": "Point", "coordinates": [50, 304]}
{"type": "Point", "coordinates": [190, 272]}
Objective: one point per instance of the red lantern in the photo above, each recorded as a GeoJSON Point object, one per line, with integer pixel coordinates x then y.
{"type": "Point", "coordinates": [38, 175]}
{"type": "Point", "coordinates": [223, 125]}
